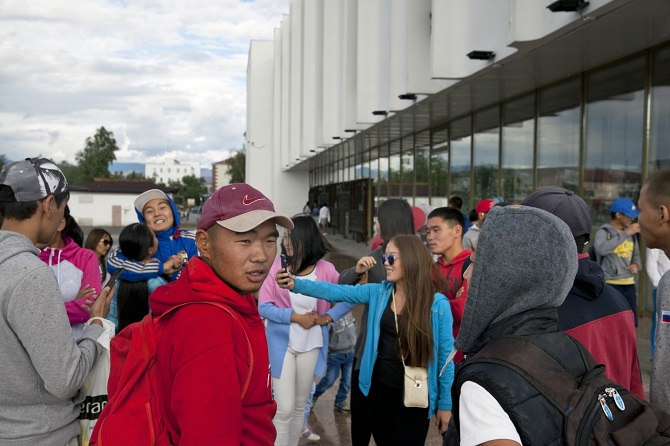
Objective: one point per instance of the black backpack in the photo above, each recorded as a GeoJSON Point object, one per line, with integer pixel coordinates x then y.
{"type": "Point", "coordinates": [596, 410]}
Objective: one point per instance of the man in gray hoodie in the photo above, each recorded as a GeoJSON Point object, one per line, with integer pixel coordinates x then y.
{"type": "Point", "coordinates": [42, 366]}
{"type": "Point", "coordinates": [654, 217]}
{"type": "Point", "coordinates": [522, 269]}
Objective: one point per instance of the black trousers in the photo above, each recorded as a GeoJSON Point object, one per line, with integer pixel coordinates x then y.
{"type": "Point", "coordinates": [391, 423]}
{"type": "Point", "coordinates": [360, 426]}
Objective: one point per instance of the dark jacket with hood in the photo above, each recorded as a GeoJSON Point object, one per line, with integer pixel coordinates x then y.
{"type": "Point", "coordinates": [599, 317]}
{"type": "Point", "coordinates": [170, 242]}
{"type": "Point", "coordinates": [525, 265]}
{"type": "Point", "coordinates": [203, 362]}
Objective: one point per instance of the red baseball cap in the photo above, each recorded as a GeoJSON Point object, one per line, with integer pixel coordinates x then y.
{"type": "Point", "coordinates": [485, 205]}
{"type": "Point", "coordinates": [240, 208]}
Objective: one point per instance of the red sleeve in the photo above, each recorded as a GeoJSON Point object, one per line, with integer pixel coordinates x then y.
{"type": "Point", "coordinates": [204, 391]}
{"type": "Point", "coordinates": [458, 304]}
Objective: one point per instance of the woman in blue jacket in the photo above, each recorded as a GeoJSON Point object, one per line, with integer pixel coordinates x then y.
{"type": "Point", "coordinates": [408, 321]}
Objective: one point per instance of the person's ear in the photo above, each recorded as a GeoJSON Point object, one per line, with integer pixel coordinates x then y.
{"type": "Point", "coordinates": [664, 213]}
{"type": "Point", "coordinates": [61, 225]}
{"type": "Point", "coordinates": [49, 205]}
{"type": "Point", "coordinates": [202, 241]}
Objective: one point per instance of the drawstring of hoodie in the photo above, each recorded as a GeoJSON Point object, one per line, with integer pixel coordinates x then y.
{"type": "Point", "coordinates": [51, 255]}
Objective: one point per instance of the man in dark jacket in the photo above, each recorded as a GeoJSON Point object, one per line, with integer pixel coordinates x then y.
{"type": "Point", "coordinates": [522, 269]}
{"type": "Point", "coordinates": [594, 313]}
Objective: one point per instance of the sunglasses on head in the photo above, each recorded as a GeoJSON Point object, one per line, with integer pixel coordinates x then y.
{"type": "Point", "coordinates": [391, 259]}
{"type": "Point", "coordinates": [106, 242]}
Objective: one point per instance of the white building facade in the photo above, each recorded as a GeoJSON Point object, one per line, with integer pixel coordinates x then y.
{"type": "Point", "coordinates": [171, 170]}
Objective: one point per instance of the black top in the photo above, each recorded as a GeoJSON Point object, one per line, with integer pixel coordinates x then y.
{"type": "Point", "coordinates": [388, 367]}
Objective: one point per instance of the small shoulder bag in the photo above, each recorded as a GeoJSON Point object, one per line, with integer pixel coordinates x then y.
{"type": "Point", "coordinates": [416, 378]}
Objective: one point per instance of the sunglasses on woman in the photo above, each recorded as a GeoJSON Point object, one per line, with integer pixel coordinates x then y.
{"type": "Point", "coordinates": [391, 258]}
{"type": "Point", "coordinates": [106, 242]}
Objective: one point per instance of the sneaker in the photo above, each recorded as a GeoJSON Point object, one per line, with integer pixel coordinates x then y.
{"type": "Point", "coordinates": [308, 435]}
{"type": "Point", "coordinates": [342, 407]}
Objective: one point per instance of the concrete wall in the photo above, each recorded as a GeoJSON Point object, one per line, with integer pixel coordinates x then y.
{"type": "Point", "coordinates": [95, 209]}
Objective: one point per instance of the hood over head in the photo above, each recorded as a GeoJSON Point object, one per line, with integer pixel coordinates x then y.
{"type": "Point", "coordinates": [149, 195]}
{"type": "Point", "coordinates": [526, 258]}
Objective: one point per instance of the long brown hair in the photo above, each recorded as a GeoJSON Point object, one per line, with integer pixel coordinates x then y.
{"type": "Point", "coordinates": [415, 330]}
{"type": "Point", "coordinates": [91, 243]}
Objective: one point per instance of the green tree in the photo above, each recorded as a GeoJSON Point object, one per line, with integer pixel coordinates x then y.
{"type": "Point", "coordinates": [3, 160]}
{"type": "Point", "coordinates": [98, 153]}
{"type": "Point", "coordinates": [193, 187]}
{"type": "Point", "coordinates": [73, 173]}
{"type": "Point", "coordinates": [135, 176]}
{"type": "Point", "coordinates": [236, 166]}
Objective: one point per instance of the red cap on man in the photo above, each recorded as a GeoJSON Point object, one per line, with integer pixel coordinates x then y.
{"type": "Point", "coordinates": [239, 208]}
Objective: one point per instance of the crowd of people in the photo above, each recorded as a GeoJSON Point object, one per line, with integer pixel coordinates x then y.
{"type": "Point", "coordinates": [442, 295]}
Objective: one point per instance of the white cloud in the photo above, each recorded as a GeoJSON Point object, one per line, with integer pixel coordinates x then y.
{"type": "Point", "coordinates": [167, 77]}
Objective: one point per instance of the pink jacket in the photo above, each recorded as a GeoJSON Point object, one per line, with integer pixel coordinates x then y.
{"type": "Point", "coordinates": [74, 267]}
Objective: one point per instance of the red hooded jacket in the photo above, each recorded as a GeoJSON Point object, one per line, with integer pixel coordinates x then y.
{"type": "Point", "coordinates": [203, 362]}
{"type": "Point", "coordinates": [453, 278]}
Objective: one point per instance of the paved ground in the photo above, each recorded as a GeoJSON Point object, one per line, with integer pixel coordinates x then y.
{"type": "Point", "coordinates": [334, 427]}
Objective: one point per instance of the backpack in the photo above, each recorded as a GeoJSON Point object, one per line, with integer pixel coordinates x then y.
{"type": "Point", "coordinates": [596, 410]}
{"type": "Point", "coordinates": [131, 414]}
{"type": "Point", "coordinates": [592, 249]}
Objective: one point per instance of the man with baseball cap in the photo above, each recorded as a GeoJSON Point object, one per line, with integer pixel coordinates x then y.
{"type": "Point", "coordinates": [212, 365]}
{"type": "Point", "coordinates": [617, 249]}
{"type": "Point", "coordinates": [42, 368]}
{"type": "Point", "coordinates": [471, 236]}
{"type": "Point", "coordinates": [156, 210]}
{"type": "Point", "coordinates": [594, 313]}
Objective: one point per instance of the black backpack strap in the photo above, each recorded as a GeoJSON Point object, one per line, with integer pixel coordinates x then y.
{"type": "Point", "coordinates": [539, 367]}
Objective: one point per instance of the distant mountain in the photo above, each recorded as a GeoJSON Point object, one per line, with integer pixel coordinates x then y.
{"type": "Point", "coordinates": [126, 167]}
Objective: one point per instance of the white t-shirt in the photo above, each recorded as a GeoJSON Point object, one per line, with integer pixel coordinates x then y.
{"type": "Point", "coordinates": [481, 418]}
{"type": "Point", "coordinates": [324, 214]}
{"type": "Point", "coordinates": [300, 339]}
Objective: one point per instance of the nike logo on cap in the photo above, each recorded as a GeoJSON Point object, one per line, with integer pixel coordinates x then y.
{"type": "Point", "coordinates": [247, 201]}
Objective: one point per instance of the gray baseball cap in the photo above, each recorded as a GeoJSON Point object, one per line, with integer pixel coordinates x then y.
{"type": "Point", "coordinates": [566, 205]}
{"type": "Point", "coordinates": [33, 179]}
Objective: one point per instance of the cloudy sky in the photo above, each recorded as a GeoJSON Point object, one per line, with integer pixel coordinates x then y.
{"type": "Point", "coordinates": [168, 77]}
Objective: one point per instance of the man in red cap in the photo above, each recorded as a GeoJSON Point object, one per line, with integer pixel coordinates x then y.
{"type": "Point", "coordinates": [482, 209]}
{"type": "Point", "coordinates": [212, 365]}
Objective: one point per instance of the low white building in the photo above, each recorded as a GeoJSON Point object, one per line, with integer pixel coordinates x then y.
{"type": "Point", "coordinates": [108, 202]}
{"type": "Point", "coordinates": [171, 170]}
{"type": "Point", "coordinates": [220, 175]}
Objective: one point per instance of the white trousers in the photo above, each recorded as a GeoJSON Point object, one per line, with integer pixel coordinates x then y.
{"type": "Point", "coordinates": [291, 391]}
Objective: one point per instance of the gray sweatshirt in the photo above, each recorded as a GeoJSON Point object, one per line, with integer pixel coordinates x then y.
{"type": "Point", "coordinates": [659, 388]}
{"type": "Point", "coordinates": [616, 250]}
{"type": "Point", "coordinates": [42, 366]}
{"type": "Point", "coordinates": [471, 236]}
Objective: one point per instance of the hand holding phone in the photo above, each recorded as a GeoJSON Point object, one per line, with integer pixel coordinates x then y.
{"type": "Point", "coordinates": [284, 262]}
{"type": "Point", "coordinates": [112, 280]}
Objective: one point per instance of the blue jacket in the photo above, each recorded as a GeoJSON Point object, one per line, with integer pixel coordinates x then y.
{"type": "Point", "coordinates": [275, 307]}
{"type": "Point", "coordinates": [376, 295]}
{"type": "Point", "coordinates": [170, 242]}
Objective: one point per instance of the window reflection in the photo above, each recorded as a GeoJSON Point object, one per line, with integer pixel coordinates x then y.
{"type": "Point", "coordinates": [659, 149]}
{"type": "Point", "coordinates": [394, 169]}
{"type": "Point", "coordinates": [485, 154]}
{"type": "Point", "coordinates": [614, 129]}
{"type": "Point", "coordinates": [421, 167]}
{"type": "Point", "coordinates": [517, 149]}
{"type": "Point", "coordinates": [460, 160]}
{"type": "Point", "coordinates": [407, 166]}
{"type": "Point", "coordinates": [439, 169]}
{"type": "Point", "coordinates": [558, 136]}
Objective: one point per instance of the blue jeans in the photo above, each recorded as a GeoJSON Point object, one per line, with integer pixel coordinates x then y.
{"type": "Point", "coordinates": [337, 362]}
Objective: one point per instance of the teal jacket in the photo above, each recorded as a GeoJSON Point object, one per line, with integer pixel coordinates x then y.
{"type": "Point", "coordinates": [376, 295]}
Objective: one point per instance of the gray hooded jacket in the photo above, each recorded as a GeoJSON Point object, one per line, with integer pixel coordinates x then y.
{"type": "Point", "coordinates": [42, 366]}
{"type": "Point", "coordinates": [526, 258]}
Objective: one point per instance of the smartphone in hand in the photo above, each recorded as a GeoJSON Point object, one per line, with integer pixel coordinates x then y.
{"type": "Point", "coordinates": [284, 262]}
{"type": "Point", "coordinates": [112, 280]}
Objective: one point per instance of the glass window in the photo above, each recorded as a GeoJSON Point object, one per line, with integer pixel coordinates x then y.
{"type": "Point", "coordinates": [485, 154]}
{"type": "Point", "coordinates": [439, 169]}
{"type": "Point", "coordinates": [383, 174]}
{"type": "Point", "coordinates": [659, 149]}
{"type": "Point", "coordinates": [407, 166]}
{"type": "Point", "coordinates": [614, 133]}
{"type": "Point", "coordinates": [460, 146]}
{"type": "Point", "coordinates": [517, 149]}
{"type": "Point", "coordinates": [394, 169]}
{"type": "Point", "coordinates": [558, 136]}
{"type": "Point", "coordinates": [421, 167]}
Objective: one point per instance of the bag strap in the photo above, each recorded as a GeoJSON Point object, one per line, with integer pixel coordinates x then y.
{"type": "Point", "coordinates": [228, 310]}
{"type": "Point", "coordinates": [510, 351]}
